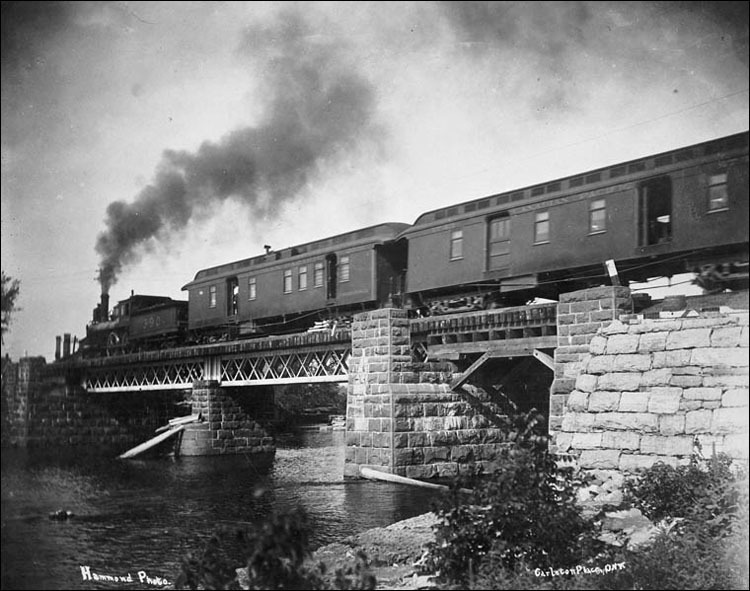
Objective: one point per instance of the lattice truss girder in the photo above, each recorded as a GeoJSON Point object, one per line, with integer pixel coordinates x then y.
{"type": "Point", "coordinates": [269, 368]}
{"type": "Point", "coordinates": [174, 374]}
{"type": "Point", "coordinates": [286, 368]}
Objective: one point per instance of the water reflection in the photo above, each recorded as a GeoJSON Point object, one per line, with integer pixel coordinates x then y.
{"type": "Point", "coordinates": [146, 514]}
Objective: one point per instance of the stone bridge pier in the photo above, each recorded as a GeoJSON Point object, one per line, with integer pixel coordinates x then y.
{"type": "Point", "coordinates": [402, 417]}
{"type": "Point", "coordinates": [227, 427]}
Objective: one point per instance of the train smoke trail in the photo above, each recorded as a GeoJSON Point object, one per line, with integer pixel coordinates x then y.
{"type": "Point", "coordinates": [318, 108]}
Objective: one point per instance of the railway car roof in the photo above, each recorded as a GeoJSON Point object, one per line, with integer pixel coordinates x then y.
{"type": "Point", "coordinates": [370, 234]}
{"type": "Point", "coordinates": [145, 300]}
{"type": "Point", "coordinates": [598, 177]}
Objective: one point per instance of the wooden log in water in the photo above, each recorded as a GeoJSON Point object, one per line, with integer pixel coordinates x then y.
{"type": "Point", "coordinates": [388, 477]}
{"type": "Point", "coordinates": [179, 421]}
{"type": "Point", "coordinates": [138, 449]}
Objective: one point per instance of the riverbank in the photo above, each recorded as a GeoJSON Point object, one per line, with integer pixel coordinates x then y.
{"type": "Point", "coordinates": [392, 552]}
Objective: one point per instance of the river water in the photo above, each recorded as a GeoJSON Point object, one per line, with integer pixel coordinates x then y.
{"type": "Point", "coordinates": [144, 515]}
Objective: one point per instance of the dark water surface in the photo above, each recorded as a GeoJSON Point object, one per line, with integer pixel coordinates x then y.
{"type": "Point", "coordinates": [144, 515]}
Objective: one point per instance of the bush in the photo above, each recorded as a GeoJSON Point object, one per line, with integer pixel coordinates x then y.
{"type": "Point", "coordinates": [276, 556]}
{"type": "Point", "coordinates": [705, 546]}
{"type": "Point", "coordinates": [523, 514]}
{"type": "Point", "coordinates": [704, 490]}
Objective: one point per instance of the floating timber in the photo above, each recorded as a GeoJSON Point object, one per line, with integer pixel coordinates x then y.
{"type": "Point", "coordinates": [139, 449]}
{"type": "Point", "coordinates": [179, 421]}
{"type": "Point", "coordinates": [388, 477]}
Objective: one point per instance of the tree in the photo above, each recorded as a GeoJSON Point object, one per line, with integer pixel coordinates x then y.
{"type": "Point", "coordinates": [10, 289]}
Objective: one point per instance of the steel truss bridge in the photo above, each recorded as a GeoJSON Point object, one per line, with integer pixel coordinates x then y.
{"type": "Point", "coordinates": [304, 359]}
{"type": "Point", "coordinates": [316, 357]}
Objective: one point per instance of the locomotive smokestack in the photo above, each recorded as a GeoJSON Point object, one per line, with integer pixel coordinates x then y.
{"type": "Point", "coordinates": [104, 307]}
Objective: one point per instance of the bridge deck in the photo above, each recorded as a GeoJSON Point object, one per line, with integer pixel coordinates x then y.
{"type": "Point", "coordinates": [315, 357]}
{"type": "Point", "coordinates": [516, 331]}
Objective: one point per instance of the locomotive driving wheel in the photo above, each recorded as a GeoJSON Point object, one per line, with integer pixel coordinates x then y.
{"type": "Point", "coordinates": [113, 342]}
{"type": "Point", "coordinates": [116, 343]}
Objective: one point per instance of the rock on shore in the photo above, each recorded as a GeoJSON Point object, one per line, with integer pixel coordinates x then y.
{"type": "Point", "coordinates": [392, 552]}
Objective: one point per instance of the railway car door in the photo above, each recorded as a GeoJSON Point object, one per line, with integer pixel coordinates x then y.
{"type": "Point", "coordinates": [498, 242]}
{"type": "Point", "coordinates": [655, 211]}
{"type": "Point", "coordinates": [233, 296]}
{"type": "Point", "coordinates": [331, 276]}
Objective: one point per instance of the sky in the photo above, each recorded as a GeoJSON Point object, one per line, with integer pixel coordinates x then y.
{"type": "Point", "coordinates": [143, 141]}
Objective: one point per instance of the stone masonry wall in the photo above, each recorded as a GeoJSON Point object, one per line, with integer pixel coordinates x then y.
{"type": "Point", "coordinates": [226, 428]}
{"type": "Point", "coordinates": [402, 416]}
{"type": "Point", "coordinates": [439, 433]}
{"type": "Point", "coordinates": [650, 388]}
{"type": "Point", "coordinates": [14, 405]}
{"type": "Point", "coordinates": [580, 315]}
{"type": "Point", "coordinates": [41, 410]}
{"type": "Point", "coordinates": [380, 347]}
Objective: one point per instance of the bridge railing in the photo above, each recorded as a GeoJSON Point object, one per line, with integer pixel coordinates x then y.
{"type": "Point", "coordinates": [520, 329]}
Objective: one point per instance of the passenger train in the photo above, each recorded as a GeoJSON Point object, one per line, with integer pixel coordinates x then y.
{"type": "Point", "coordinates": [685, 210]}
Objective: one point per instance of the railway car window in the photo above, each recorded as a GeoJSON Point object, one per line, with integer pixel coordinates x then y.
{"type": "Point", "coordinates": [287, 281]}
{"type": "Point", "coordinates": [252, 288]}
{"type": "Point", "coordinates": [212, 296]}
{"type": "Point", "coordinates": [318, 275]}
{"type": "Point", "coordinates": [344, 269]}
{"type": "Point", "coordinates": [717, 192]}
{"type": "Point", "coordinates": [541, 228]}
{"type": "Point", "coordinates": [457, 245]}
{"type": "Point", "coordinates": [233, 296]}
{"type": "Point", "coordinates": [499, 230]}
{"type": "Point", "coordinates": [302, 278]}
{"type": "Point", "coordinates": [597, 216]}
{"type": "Point", "coordinates": [655, 211]}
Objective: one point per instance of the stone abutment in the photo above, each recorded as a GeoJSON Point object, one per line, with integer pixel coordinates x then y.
{"type": "Point", "coordinates": [402, 417]}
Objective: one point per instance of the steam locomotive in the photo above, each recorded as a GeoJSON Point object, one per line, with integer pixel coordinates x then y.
{"type": "Point", "coordinates": [680, 211]}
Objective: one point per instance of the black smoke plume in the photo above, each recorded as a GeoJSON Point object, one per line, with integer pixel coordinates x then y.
{"type": "Point", "coordinates": [318, 108]}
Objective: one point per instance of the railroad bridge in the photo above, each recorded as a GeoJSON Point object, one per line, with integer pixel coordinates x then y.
{"type": "Point", "coordinates": [419, 389]}
{"type": "Point", "coordinates": [322, 356]}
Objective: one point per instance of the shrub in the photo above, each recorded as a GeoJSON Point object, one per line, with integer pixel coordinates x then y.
{"type": "Point", "coordinates": [703, 490]}
{"type": "Point", "coordinates": [524, 513]}
{"type": "Point", "coordinates": [683, 560]}
{"type": "Point", "coordinates": [705, 547]}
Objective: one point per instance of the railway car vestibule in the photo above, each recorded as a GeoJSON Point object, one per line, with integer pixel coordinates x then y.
{"type": "Point", "coordinates": [655, 211]}
{"type": "Point", "coordinates": [233, 296]}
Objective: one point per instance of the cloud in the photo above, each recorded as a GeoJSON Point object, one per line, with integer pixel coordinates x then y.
{"type": "Point", "coordinates": [317, 107]}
